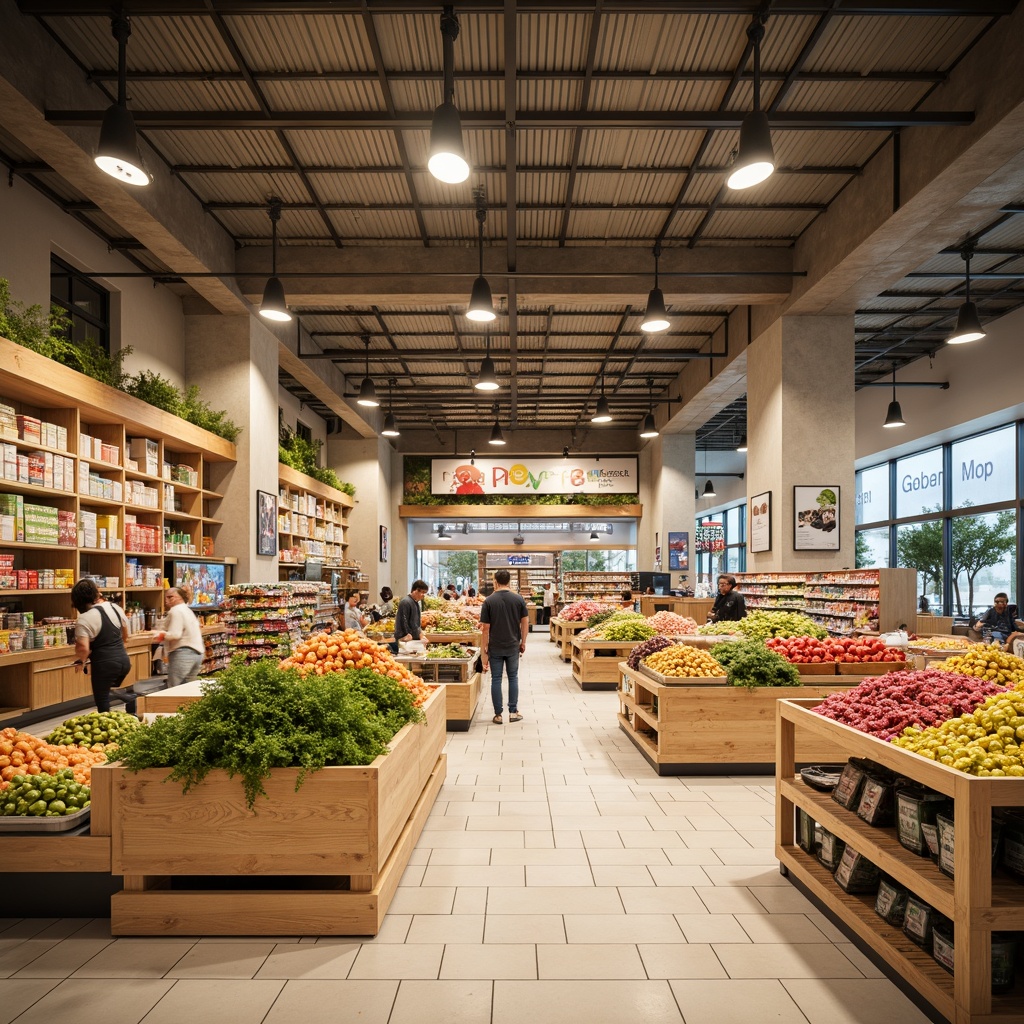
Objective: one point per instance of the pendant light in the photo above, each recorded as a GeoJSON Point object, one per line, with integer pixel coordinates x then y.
{"type": "Point", "coordinates": [487, 381]}
{"type": "Point", "coordinates": [968, 325]}
{"type": "Point", "coordinates": [742, 446]}
{"type": "Point", "coordinates": [118, 151]}
{"type": "Point", "coordinates": [442, 533]}
{"type": "Point", "coordinates": [649, 429]}
{"type": "Point", "coordinates": [894, 417]}
{"type": "Point", "coordinates": [367, 392]}
{"type": "Point", "coordinates": [481, 306]}
{"type": "Point", "coordinates": [565, 452]}
{"type": "Point", "coordinates": [497, 437]}
{"type": "Point", "coordinates": [390, 428]}
{"type": "Point", "coordinates": [274, 305]}
{"type": "Point", "coordinates": [755, 159]}
{"type": "Point", "coordinates": [656, 316]}
{"type": "Point", "coordinates": [709, 487]}
{"type": "Point", "coordinates": [602, 411]}
{"type": "Point", "coordinates": [447, 160]}
{"type": "Point", "coordinates": [593, 535]}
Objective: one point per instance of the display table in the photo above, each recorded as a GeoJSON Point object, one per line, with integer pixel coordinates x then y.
{"type": "Point", "coordinates": [39, 678]}
{"type": "Point", "coordinates": [978, 901]}
{"type": "Point", "coordinates": [562, 632]}
{"type": "Point", "coordinates": [459, 678]}
{"type": "Point", "coordinates": [166, 702]}
{"type": "Point", "coordinates": [595, 663]}
{"type": "Point", "coordinates": [696, 608]}
{"type": "Point", "coordinates": [323, 860]}
{"type": "Point", "coordinates": [694, 729]}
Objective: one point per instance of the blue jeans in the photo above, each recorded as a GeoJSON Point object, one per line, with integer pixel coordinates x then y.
{"type": "Point", "coordinates": [510, 663]}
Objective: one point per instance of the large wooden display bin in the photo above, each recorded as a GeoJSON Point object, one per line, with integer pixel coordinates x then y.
{"type": "Point", "coordinates": [699, 729]}
{"type": "Point", "coordinates": [458, 677]}
{"type": "Point", "coordinates": [696, 608]}
{"type": "Point", "coordinates": [562, 632]}
{"type": "Point", "coordinates": [166, 702]}
{"type": "Point", "coordinates": [595, 663]}
{"type": "Point", "coordinates": [325, 860]}
{"type": "Point", "coordinates": [473, 639]}
{"type": "Point", "coordinates": [979, 901]}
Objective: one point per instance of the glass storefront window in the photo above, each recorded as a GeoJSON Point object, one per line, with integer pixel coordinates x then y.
{"type": "Point", "coordinates": [919, 546]}
{"type": "Point", "coordinates": [873, 549]}
{"type": "Point", "coordinates": [984, 468]}
{"type": "Point", "coordinates": [919, 483]}
{"type": "Point", "coordinates": [873, 494]}
{"type": "Point", "coordinates": [982, 560]}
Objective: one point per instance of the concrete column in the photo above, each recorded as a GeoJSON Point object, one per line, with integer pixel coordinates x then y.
{"type": "Point", "coordinates": [368, 465]}
{"type": "Point", "coordinates": [800, 426]}
{"type": "Point", "coordinates": [234, 359]}
{"type": "Point", "coordinates": [666, 492]}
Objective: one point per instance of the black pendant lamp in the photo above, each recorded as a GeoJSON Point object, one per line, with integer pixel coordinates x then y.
{"type": "Point", "coordinates": [602, 411]}
{"type": "Point", "coordinates": [118, 150]}
{"type": "Point", "coordinates": [649, 428]}
{"type": "Point", "coordinates": [656, 317]}
{"type": "Point", "coordinates": [497, 437]}
{"type": "Point", "coordinates": [968, 324]}
{"type": "Point", "coordinates": [709, 487]}
{"type": "Point", "coordinates": [487, 381]}
{"type": "Point", "coordinates": [755, 159]}
{"type": "Point", "coordinates": [390, 428]}
{"type": "Point", "coordinates": [894, 417]}
{"type": "Point", "coordinates": [367, 392]}
{"type": "Point", "coordinates": [442, 533]}
{"type": "Point", "coordinates": [447, 161]}
{"type": "Point", "coordinates": [481, 306]}
{"type": "Point", "coordinates": [593, 535]}
{"type": "Point", "coordinates": [274, 305]}
{"type": "Point", "coordinates": [742, 446]}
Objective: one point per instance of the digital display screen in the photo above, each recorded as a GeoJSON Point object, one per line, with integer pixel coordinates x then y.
{"type": "Point", "coordinates": [206, 580]}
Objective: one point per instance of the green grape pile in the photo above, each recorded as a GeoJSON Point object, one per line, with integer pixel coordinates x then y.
{"type": "Point", "coordinates": [760, 625]}
{"type": "Point", "coordinates": [628, 630]}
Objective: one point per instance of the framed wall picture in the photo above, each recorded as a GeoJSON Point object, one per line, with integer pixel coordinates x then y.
{"type": "Point", "coordinates": [759, 516]}
{"type": "Point", "coordinates": [679, 551]}
{"type": "Point", "coordinates": [266, 523]}
{"type": "Point", "coordinates": [383, 543]}
{"type": "Point", "coordinates": [816, 518]}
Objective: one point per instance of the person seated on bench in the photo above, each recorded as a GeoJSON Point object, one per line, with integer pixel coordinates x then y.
{"type": "Point", "coordinates": [999, 620]}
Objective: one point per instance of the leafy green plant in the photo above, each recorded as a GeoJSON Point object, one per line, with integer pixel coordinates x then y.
{"type": "Point", "coordinates": [749, 663]}
{"type": "Point", "coordinates": [304, 456]}
{"type": "Point", "coordinates": [196, 411]}
{"type": "Point", "coordinates": [255, 718]}
{"type": "Point", "coordinates": [155, 390]}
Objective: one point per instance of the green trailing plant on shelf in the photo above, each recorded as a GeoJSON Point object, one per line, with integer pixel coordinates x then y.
{"type": "Point", "coordinates": [49, 335]}
{"type": "Point", "coordinates": [304, 456]}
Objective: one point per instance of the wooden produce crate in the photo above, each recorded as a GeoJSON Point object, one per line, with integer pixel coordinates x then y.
{"type": "Point", "coordinates": [825, 668]}
{"type": "Point", "coordinates": [324, 860]}
{"type": "Point", "coordinates": [458, 677]}
{"type": "Point", "coordinates": [707, 729]}
{"type": "Point", "coordinates": [595, 663]}
{"type": "Point", "coordinates": [166, 702]}
{"type": "Point", "coordinates": [978, 900]}
{"type": "Point", "coordinates": [562, 632]}
{"type": "Point", "coordinates": [870, 668]}
{"type": "Point", "coordinates": [664, 680]}
{"type": "Point", "coordinates": [473, 639]}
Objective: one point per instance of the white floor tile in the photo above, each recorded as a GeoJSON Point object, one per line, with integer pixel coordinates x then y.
{"type": "Point", "coordinates": [489, 961]}
{"type": "Point", "coordinates": [333, 1002]}
{"type": "Point", "coordinates": [736, 1002]}
{"type": "Point", "coordinates": [596, 1002]}
{"type": "Point", "coordinates": [589, 960]}
{"type": "Point", "coordinates": [443, 1002]}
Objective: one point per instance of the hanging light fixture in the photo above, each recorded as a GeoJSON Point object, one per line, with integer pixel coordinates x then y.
{"type": "Point", "coordinates": [593, 535]}
{"type": "Point", "coordinates": [602, 411]}
{"type": "Point", "coordinates": [118, 151]}
{"type": "Point", "coordinates": [497, 437]}
{"type": "Point", "coordinates": [390, 428]}
{"type": "Point", "coordinates": [487, 381]}
{"type": "Point", "coordinates": [274, 305]}
{"type": "Point", "coordinates": [472, 456]}
{"type": "Point", "coordinates": [447, 160]}
{"type": "Point", "coordinates": [481, 306]}
{"type": "Point", "coordinates": [742, 446]}
{"type": "Point", "coordinates": [649, 429]}
{"type": "Point", "coordinates": [442, 533]}
{"type": "Point", "coordinates": [656, 316]}
{"type": "Point", "coordinates": [968, 325]}
{"type": "Point", "coordinates": [755, 159]}
{"type": "Point", "coordinates": [367, 392]}
{"type": "Point", "coordinates": [894, 417]}
{"type": "Point", "coordinates": [709, 487]}
{"type": "Point", "coordinates": [565, 452]}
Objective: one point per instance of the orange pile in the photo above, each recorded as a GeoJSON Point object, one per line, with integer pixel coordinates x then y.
{"type": "Point", "coordinates": [341, 651]}
{"type": "Point", "coordinates": [24, 754]}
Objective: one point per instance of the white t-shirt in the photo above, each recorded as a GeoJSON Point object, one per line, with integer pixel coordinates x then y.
{"type": "Point", "coordinates": [549, 597]}
{"type": "Point", "coordinates": [181, 629]}
{"type": "Point", "coordinates": [89, 623]}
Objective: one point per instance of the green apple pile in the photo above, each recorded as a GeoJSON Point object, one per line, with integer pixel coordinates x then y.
{"type": "Point", "coordinates": [96, 727]}
{"type": "Point", "coordinates": [44, 796]}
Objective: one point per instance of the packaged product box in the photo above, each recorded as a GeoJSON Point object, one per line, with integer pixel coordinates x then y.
{"type": "Point", "coordinates": [83, 477]}
{"type": "Point", "coordinates": [14, 505]}
{"type": "Point", "coordinates": [8, 421]}
{"type": "Point", "coordinates": [67, 532]}
{"type": "Point", "coordinates": [7, 531]}
{"type": "Point", "coordinates": [63, 579]}
{"type": "Point", "coordinates": [5, 641]}
{"type": "Point", "coordinates": [22, 469]}
{"type": "Point", "coordinates": [36, 468]}
{"type": "Point", "coordinates": [29, 429]}
{"type": "Point", "coordinates": [85, 446]}
{"type": "Point", "coordinates": [48, 432]}
{"type": "Point", "coordinates": [109, 453]}
{"type": "Point", "coordinates": [97, 449]}
{"type": "Point", "coordinates": [62, 438]}
{"type": "Point", "coordinates": [58, 473]}
{"type": "Point", "coordinates": [146, 453]}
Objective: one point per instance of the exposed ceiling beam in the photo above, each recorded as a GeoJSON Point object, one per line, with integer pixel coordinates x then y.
{"type": "Point", "coordinates": [552, 355]}
{"type": "Point", "coordinates": [624, 120]}
{"type": "Point", "coordinates": [241, 206]}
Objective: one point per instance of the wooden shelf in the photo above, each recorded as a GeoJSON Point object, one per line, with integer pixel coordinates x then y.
{"type": "Point", "coordinates": [977, 900]}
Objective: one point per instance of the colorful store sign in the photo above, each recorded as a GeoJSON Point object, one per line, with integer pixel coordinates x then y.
{"type": "Point", "coordinates": [534, 476]}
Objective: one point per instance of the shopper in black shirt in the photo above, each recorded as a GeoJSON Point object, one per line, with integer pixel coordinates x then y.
{"type": "Point", "coordinates": [999, 619]}
{"type": "Point", "coordinates": [505, 623]}
{"type": "Point", "coordinates": [729, 606]}
{"type": "Point", "coordinates": [407, 617]}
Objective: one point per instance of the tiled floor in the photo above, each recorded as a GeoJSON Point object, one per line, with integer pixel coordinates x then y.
{"type": "Point", "coordinates": [558, 879]}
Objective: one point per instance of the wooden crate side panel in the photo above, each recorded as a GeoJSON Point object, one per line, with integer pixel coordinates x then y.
{"type": "Point", "coordinates": [323, 829]}
{"type": "Point", "coordinates": [157, 703]}
{"type": "Point", "coordinates": [462, 698]}
{"type": "Point", "coordinates": [435, 733]}
{"type": "Point", "coordinates": [100, 800]}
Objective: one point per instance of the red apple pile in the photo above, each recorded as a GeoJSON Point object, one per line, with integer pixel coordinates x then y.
{"type": "Point", "coordinates": [806, 650]}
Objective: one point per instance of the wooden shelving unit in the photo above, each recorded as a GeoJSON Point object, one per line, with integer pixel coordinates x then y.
{"type": "Point", "coordinates": [843, 600]}
{"type": "Point", "coordinates": [977, 901]}
{"type": "Point", "coordinates": [173, 493]}
{"type": "Point", "coordinates": [597, 586]}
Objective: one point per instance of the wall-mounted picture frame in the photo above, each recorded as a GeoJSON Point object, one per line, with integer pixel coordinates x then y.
{"type": "Point", "coordinates": [383, 543]}
{"type": "Point", "coordinates": [816, 525]}
{"type": "Point", "coordinates": [266, 523]}
{"type": "Point", "coordinates": [759, 522]}
{"type": "Point", "coordinates": [679, 551]}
